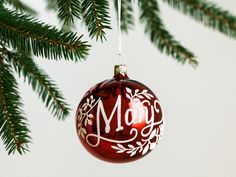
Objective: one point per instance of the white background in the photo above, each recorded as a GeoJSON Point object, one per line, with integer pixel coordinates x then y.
{"type": "Point", "coordinates": [200, 134]}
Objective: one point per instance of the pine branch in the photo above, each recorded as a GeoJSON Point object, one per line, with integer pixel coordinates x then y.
{"type": "Point", "coordinates": [13, 129]}
{"type": "Point", "coordinates": [18, 5]}
{"type": "Point", "coordinates": [52, 5]}
{"type": "Point", "coordinates": [24, 33]}
{"type": "Point", "coordinates": [208, 13]}
{"type": "Point", "coordinates": [69, 22]}
{"type": "Point", "coordinates": [40, 82]}
{"type": "Point", "coordinates": [154, 27]}
{"type": "Point", "coordinates": [127, 19]}
{"type": "Point", "coordinates": [68, 10]}
{"type": "Point", "coordinates": [96, 16]}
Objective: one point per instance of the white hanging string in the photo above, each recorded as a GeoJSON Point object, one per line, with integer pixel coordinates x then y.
{"type": "Point", "coordinates": [121, 57]}
{"type": "Point", "coordinates": [119, 28]}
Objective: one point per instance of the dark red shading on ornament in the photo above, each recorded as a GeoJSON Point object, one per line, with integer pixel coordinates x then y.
{"type": "Point", "coordinates": [119, 120]}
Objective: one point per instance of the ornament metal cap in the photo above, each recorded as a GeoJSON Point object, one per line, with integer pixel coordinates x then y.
{"type": "Point", "coordinates": [120, 69]}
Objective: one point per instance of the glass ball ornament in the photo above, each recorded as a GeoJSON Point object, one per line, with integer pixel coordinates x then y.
{"type": "Point", "coordinates": [119, 120]}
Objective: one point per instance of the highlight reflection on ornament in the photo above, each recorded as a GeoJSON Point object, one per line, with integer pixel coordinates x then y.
{"type": "Point", "coordinates": [119, 120]}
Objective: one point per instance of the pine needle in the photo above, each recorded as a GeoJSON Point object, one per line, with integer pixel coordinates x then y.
{"type": "Point", "coordinates": [154, 27]}
{"type": "Point", "coordinates": [24, 33]}
{"type": "Point", "coordinates": [13, 127]}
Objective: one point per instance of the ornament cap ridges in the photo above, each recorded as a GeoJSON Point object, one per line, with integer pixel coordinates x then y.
{"type": "Point", "coordinates": [120, 69]}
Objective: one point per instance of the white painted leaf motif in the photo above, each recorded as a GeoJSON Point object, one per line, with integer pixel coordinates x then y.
{"type": "Point", "coordinates": [85, 107]}
{"type": "Point", "coordinates": [131, 146]}
{"type": "Point", "coordinates": [136, 91]}
{"type": "Point", "coordinates": [138, 143]}
{"type": "Point", "coordinates": [128, 96]}
{"type": "Point", "coordinates": [129, 152]}
{"type": "Point", "coordinates": [147, 97]}
{"type": "Point", "coordinates": [145, 91]}
{"type": "Point", "coordinates": [90, 122]}
{"type": "Point", "coordinates": [153, 145]}
{"type": "Point", "coordinates": [128, 90]}
{"type": "Point", "coordinates": [82, 135]}
{"type": "Point", "coordinates": [140, 96]}
{"type": "Point", "coordinates": [86, 122]}
{"type": "Point", "coordinates": [150, 95]}
{"type": "Point", "coordinates": [79, 117]}
{"type": "Point", "coordinates": [145, 149]}
{"type": "Point", "coordinates": [141, 148]}
{"type": "Point", "coordinates": [120, 146]}
{"type": "Point", "coordinates": [84, 131]}
{"type": "Point", "coordinates": [133, 153]}
{"type": "Point", "coordinates": [153, 134]}
{"type": "Point", "coordinates": [121, 151]}
{"type": "Point", "coordinates": [115, 147]}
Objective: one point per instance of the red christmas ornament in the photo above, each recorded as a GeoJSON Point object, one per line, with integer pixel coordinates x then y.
{"type": "Point", "coordinates": [119, 120]}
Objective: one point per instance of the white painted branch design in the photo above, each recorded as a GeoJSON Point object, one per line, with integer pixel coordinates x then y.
{"type": "Point", "coordinates": [140, 147]}
{"type": "Point", "coordinates": [84, 116]}
{"type": "Point", "coordinates": [138, 94]}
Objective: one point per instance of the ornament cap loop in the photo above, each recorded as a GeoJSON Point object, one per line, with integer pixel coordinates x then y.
{"type": "Point", "coordinates": [120, 69]}
{"type": "Point", "coordinates": [120, 72]}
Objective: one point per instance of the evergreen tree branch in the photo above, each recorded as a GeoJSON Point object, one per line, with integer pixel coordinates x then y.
{"type": "Point", "coordinates": [69, 21]}
{"type": "Point", "coordinates": [24, 33]}
{"type": "Point", "coordinates": [52, 5]}
{"type": "Point", "coordinates": [18, 5]}
{"type": "Point", "coordinates": [13, 129]}
{"type": "Point", "coordinates": [154, 27]}
{"type": "Point", "coordinates": [40, 82]}
{"type": "Point", "coordinates": [96, 16]}
{"type": "Point", "coordinates": [208, 13]}
{"type": "Point", "coordinates": [68, 10]}
{"type": "Point", "coordinates": [127, 19]}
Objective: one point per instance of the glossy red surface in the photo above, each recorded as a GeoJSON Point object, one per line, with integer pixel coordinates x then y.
{"type": "Point", "coordinates": [119, 120]}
